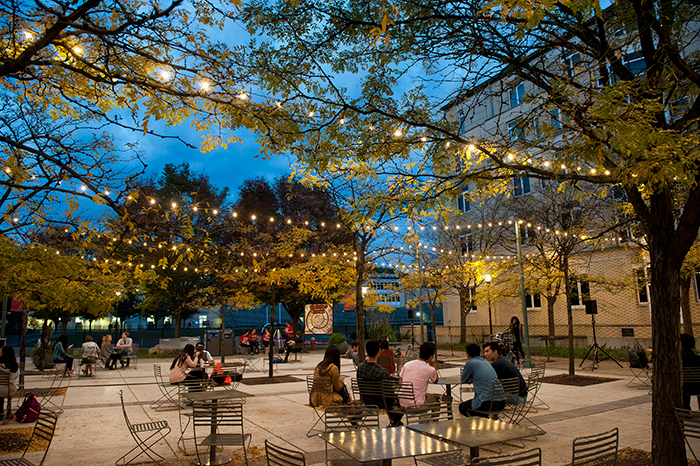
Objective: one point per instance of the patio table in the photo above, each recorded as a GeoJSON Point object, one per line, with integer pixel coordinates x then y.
{"type": "Point", "coordinates": [473, 432]}
{"type": "Point", "coordinates": [385, 444]}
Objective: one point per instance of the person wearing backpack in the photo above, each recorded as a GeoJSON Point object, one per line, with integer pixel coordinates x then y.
{"type": "Point", "coordinates": [8, 363]}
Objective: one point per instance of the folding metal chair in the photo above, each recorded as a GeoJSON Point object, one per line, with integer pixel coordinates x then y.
{"type": "Point", "coordinates": [537, 373]}
{"type": "Point", "coordinates": [154, 430]}
{"type": "Point", "coordinates": [279, 456]}
{"type": "Point", "coordinates": [690, 425]}
{"type": "Point", "coordinates": [318, 385]}
{"type": "Point", "coordinates": [368, 392]}
{"type": "Point", "coordinates": [209, 419]}
{"type": "Point", "coordinates": [45, 400]}
{"type": "Point", "coordinates": [520, 412]}
{"type": "Point", "coordinates": [403, 391]}
{"type": "Point", "coordinates": [598, 449]}
{"type": "Point", "coordinates": [185, 412]}
{"type": "Point", "coordinates": [436, 412]}
{"type": "Point", "coordinates": [502, 390]}
{"type": "Point", "coordinates": [691, 383]}
{"type": "Point", "coordinates": [524, 458]}
{"type": "Point", "coordinates": [168, 391]}
{"type": "Point", "coordinates": [640, 370]}
{"type": "Point", "coordinates": [43, 432]}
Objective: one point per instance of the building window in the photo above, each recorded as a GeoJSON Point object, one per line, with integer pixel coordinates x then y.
{"type": "Point", "coordinates": [636, 63]}
{"type": "Point", "coordinates": [517, 95]}
{"type": "Point", "coordinates": [533, 301]}
{"type": "Point", "coordinates": [466, 243]}
{"type": "Point", "coordinates": [642, 276]}
{"type": "Point", "coordinates": [516, 129]}
{"type": "Point", "coordinates": [580, 290]}
{"type": "Point", "coordinates": [528, 233]}
{"type": "Point", "coordinates": [697, 284]}
{"type": "Point", "coordinates": [463, 201]}
{"type": "Point", "coordinates": [521, 186]}
{"type": "Point", "coordinates": [573, 64]}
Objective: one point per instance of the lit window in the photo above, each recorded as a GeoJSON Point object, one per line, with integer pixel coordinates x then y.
{"type": "Point", "coordinates": [463, 201]}
{"type": "Point", "coordinates": [466, 243]}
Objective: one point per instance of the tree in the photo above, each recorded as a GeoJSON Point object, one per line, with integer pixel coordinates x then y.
{"type": "Point", "coordinates": [73, 77]}
{"type": "Point", "coordinates": [608, 95]}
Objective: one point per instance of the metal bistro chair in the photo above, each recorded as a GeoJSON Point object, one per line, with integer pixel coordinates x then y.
{"type": "Point", "coordinates": [403, 391]}
{"type": "Point", "coordinates": [598, 450]}
{"type": "Point", "coordinates": [436, 412]}
{"type": "Point", "coordinates": [208, 420]}
{"type": "Point", "coordinates": [640, 368]}
{"type": "Point", "coordinates": [690, 424]}
{"type": "Point", "coordinates": [168, 391]}
{"type": "Point", "coordinates": [318, 385]}
{"type": "Point", "coordinates": [5, 382]}
{"type": "Point", "coordinates": [691, 382]}
{"type": "Point", "coordinates": [524, 458]}
{"type": "Point", "coordinates": [520, 412]}
{"type": "Point", "coordinates": [537, 373]}
{"type": "Point", "coordinates": [502, 390]}
{"type": "Point", "coordinates": [185, 412]}
{"type": "Point", "coordinates": [43, 432]}
{"type": "Point", "coordinates": [45, 399]}
{"type": "Point", "coordinates": [156, 431]}
{"type": "Point", "coordinates": [279, 456]}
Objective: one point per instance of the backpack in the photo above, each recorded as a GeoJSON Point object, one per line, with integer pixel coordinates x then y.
{"type": "Point", "coordinates": [29, 411]}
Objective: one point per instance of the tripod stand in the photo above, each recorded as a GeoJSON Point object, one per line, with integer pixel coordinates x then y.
{"type": "Point", "coordinates": [595, 348]}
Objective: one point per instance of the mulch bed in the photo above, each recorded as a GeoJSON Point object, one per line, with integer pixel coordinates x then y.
{"type": "Point", "coordinates": [267, 380]}
{"type": "Point", "coordinates": [47, 391]}
{"type": "Point", "coordinates": [13, 441]}
{"type": "Point", "coordinates": [632, 457]}
{"type": "Point", "coordinates": [576, 380]}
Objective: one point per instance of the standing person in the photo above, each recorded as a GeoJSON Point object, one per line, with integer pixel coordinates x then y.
{"type": "Point", "coordinates": [420, 372]}
{"type": "Point", "coordinates": [385, 358]}
{"type": "Point", "coordinates": [245, 341]}
{"type": "Point", "coordinates": [125, 348]}
{"type": "Point", "coordinates": [60, 355]}
{"type": "Point", "coordinates": [107, 353]}
{"type": "Point", "coordinates": [266, 337]}
{"type": "Point", "coordinates": [371, 371]}
{"type": "Point", "coordinates": [288, 331]}
{"type": "Point", "coordinates": [517, 340]}
{"type": "Point", "coordinates": [689, 359]}
{"type": "Point", "coordinates": [478, 371]}
{"type": "Point", "coordinates": [254, 343]}
{"type": "Point", "coordinates": [89, 351]}
{"type": "Point", "coordinates": [505, 370]}
{"type": "Point", "coordinates": [8, 363]}
{"type": "Point", "coordinates": [330, 367]}
{"type": "Point", "coordinates": [182, 362]}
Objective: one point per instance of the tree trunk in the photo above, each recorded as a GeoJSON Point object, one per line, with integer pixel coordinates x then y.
{"type": "Point", "coordinates": [23, 345]}
{"type": "Point", "coordinates": [222, 312]}
{"type": "Point", "coordinates": [271, 352]}
{"type": "Point", "coordinates": [550, 314]}
{"type": "Point", "coordinates": [65, 318]}
{"type": "Point", "coordinates": [685, 304]}
{"type": "Point", "coordinates": [43, 345]}
{"type": "Point", "coordinates": [569, 316]}
{"type": "Point", "coordinates": [463, 316]}
{"type": "Point", "coordinates": [432, 321]}
{"type": "Point", "coordinates": [359, 302]}
{"type": "Point", "coordinates": [176, 318]}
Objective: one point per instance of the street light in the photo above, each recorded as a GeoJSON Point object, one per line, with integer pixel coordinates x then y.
{"type": "Point", "coordinates": [487, 278]}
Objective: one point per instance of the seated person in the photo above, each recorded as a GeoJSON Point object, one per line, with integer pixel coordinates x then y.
{"type": "Point", "coordinates": [8, 365]}
{"type": "Point", "coordinates": [107, 354]}
{"type": "Point", "coordinates": [124, 348]}
{"type": "Point", "coordinates": [245, 342]}
{"type": "Point", "coordinates": [254, 341]}
{"type": "Point", "coordinates": [369, 370]}
{"type": "Point", "coordinates": [505, 370]}
{"type": "Point", "coordinates": [90, 351]}
{"type": "Point", "coordinates": [385, 358]}
{"type": "Point", "coordinates": [420, 372]}
{"type": "Point", "coordinates": [478, 371]}
{"type": "Point", "coordinates": [60, 355]}
{"type": "Point", "coordinates": [202, 358]}
{"type": "Point", "coordinates": [330, 367]}
{"type": "Point", "coordinates": [353, 354]}
{"type": "Point", "coordinates": [689, 359]}
{"type": "Point", "coordinates": [182, 362]}
{"type": "Point", "coordinates": [293, 346]}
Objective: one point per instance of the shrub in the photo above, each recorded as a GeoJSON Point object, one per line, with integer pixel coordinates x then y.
{"type": "Point", "coordinates": [336, 339]}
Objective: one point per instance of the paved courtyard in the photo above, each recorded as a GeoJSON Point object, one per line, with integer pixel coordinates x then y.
{"type": "Point", "coordinates": [92, 429]}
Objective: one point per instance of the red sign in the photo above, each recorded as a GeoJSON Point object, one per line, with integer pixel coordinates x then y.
{"type": "Point", "coordinates": [16, 305]}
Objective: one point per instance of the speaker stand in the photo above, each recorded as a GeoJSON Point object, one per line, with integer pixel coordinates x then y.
{"type": "Point", "coordinates": [595, 348]}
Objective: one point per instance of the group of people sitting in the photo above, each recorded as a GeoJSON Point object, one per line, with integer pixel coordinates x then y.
{"type": "Point", "coordinates": [251, 340]}
{"type": "Point", "coordinates": [91, 352]}
{"type": "Point", "coordinates": [479, 371]}
{"type": "Point", "coordinates": [190, 364]}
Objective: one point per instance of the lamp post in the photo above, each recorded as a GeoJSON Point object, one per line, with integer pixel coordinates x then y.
{"type": "Point", "coordinates": [487, 278]}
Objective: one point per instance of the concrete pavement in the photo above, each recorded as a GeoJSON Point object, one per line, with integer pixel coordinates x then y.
{"type": "Point", "coordinates": [92, 429]}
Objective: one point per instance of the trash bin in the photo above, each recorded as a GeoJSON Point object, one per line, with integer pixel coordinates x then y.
{"type": "Point", "coordinates": [213, 340]}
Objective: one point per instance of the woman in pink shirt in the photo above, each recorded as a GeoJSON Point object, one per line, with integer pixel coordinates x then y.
{"type": "Point", "coordinates": [183, 361]}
